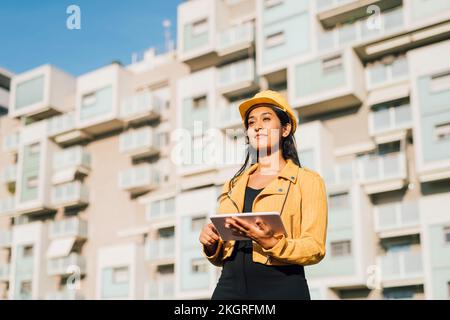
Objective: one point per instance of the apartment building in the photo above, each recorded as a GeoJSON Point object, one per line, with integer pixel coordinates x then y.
{"type": "Point", "coordinates": [108, 178]}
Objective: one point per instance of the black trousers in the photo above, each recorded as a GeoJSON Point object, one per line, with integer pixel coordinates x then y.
{"type": "Point", "coordinates": [243, 279]}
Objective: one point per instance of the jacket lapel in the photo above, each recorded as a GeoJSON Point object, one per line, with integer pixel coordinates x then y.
{"type": "Point", "coordinates": [276, 186]}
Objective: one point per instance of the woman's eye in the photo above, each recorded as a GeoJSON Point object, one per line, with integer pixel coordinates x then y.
{"type": "Point", "coordinates": [266, 119]}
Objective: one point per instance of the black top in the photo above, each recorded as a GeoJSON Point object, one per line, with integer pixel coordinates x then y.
{"type": "Point", "coordinates": [250, 195]}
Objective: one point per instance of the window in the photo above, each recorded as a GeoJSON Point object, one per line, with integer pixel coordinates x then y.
{"type": "Point", "coordinates": [199, 102]}
{"type": "Point", "coordinates": [27, 251]}
{"type": "Point", "coordinates": [442, 131]}
{"type": "Point", "coordinates": [440, 82]}
{"type": "Point", "coordinates": [340, 248]}
{"type": "Point", "coordinates": [34, 148]}
{"type": "Point", "coordinates": [32, 182]}
{"type": "Point", "coordinates": [275, 39]}
{"type": "Point", "coordinates": [197, 223]}
{"type": "Point", "coordinates": [199, 266]}
{"type": "Point", "coordinates": [272, 3]}
{"type": "Point", "coordinates": [447, 235]}
{"type": "Point", "coordinates": [339, 200]}
{"type": "Point", "coordinates": [25, 289]}
{"type": "Point", "coordinates": [332, 64]}
{"type": "Point", "coordinates": [199, 27]}
{"type": "Point", "coordinates": [120, 275]}
{"type": "Point", "coordinates": [89, 99]}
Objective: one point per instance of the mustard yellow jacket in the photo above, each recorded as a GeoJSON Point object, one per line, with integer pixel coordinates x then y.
{"type": "Point", "coordinates": [305, 216]}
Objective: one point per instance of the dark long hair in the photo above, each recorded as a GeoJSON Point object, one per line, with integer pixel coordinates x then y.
{"type": "Point", "coordinates": [287, 144]}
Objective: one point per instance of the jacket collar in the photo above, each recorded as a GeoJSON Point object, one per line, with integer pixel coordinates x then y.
{"type": "Point", "coordinates": [276, 186]}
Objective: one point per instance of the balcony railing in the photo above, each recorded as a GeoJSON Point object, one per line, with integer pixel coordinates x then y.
{"type": "Point", "coordinates": [397, 215]}
{"type": "Point", "coordinates": [401, 265]}
{"type": "Point", "coordinates": [323, 5]}
{"type": "Point", "coordinates": [73, 226]}
{"type": "Point", "coordinates": [390, 118]}
{"type": "Point", "coordinates": [360, 31]}
{"type": "Point", "coordinates": [141, 177]}
{"type": "Point", "coordinates": [340, 174]}
{"type": "Point", "coordinates": [70, 194]}
{"type": "Point", "coordinates": [9, 174]}
{"type": "Point", "coordinates": [163, 248]}
{"type": "Point", "coordinates": [61, 123]}
{"type": "Point", "coordinates": [381, 74]}
{"type": "Point", "coordinates": [71, 158]}
{"type": "Point", "coordinates": [228, 115]}
{"type": "Point", "coordinates": [64, 265]}
{"type": "Point", "coordinates": [235, 73]}
{"type": "Point", "coordinates": [140, 107]}
{"type": "Point", "coordinates": [141, 142]}
{"type": "Point", "coordinates": [162, 288]}
{"type": "Point", "coordinates": [65, 295]}
{"type": "Point", "coordinates": [374, 168]}
{"type": "Point", "coordinates": [237, 35]}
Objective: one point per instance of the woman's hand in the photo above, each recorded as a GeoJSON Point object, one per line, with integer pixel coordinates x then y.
{"type": "Point", "coordinates": [209, 238]}
{"type": "Point", "coordinates": [260, 232]}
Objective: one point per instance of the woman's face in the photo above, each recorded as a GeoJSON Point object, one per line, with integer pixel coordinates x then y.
{"type": "Point", "coordinates": [264, 128]}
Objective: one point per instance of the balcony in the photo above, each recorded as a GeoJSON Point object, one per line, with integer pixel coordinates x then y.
{"type": "Point", "coordinates": [139, 179]}
{"type": "Point", "coordinates": [70, 227]}
{"type": "Point", "coordinates": [236, 40]}
{"type": "Point", "coordinates": [332, 82]}
{"type": "Point", "coordinates": [9, 176]}
{"type": "Point", "coordinates": [41, 93]}
{"type": "Point", "coordinates": [386, 119]}
{"type": "Point", "coordinates": [386, 72]}
{"type": "Point", "coordinates": [228, 116]}
{"type": "Point", "coordinates": [161, 250]}
{"type": "Point", "coordinates": [5, 238]}
{"type": "Point", "coordinates": [70, 195]}
{"type": "Point", "coordinates": [141, 107]}
{"type": "Point", "coordinates": [4, 271]}
{"type": "Point", "coordinates": [339, 177]}
{"type": "Point", "coordinates": [62, 129]}
{"type": "Point", "coordinates": [7, 206]}
{"type": "Point", "coordinates": [401, 268]}
{"type": "Point", "coordinates": [334, 12]}
{"type": "Point", "coordinates": [382, 173]}
{"type": "Point", "coordinates": [160, 210]}
{"type": "Point", "coordinates": [237, 78]}
{"type": "Point", "coordinates": [64, 265]}
{"type": "Point", "coordinates": [70, 164]}
{"type": "Point", "coordinates": [98, 98]}
{"type": "Point", "coordinates": [11, 142]}
{"type": "Point", "coordinates": [397, 219]}
{"type": "Point", "coordinates": [141, 143]}
{"type": "Point", "coordinates": [65, 295]}
{"type": "Point", "coordinates": [162, 288]}
{"type": "Point", "coordinates": [362, 34]}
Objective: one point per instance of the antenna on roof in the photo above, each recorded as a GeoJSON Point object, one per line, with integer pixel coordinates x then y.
{"type": "Point", "coordinates": [168, 41]}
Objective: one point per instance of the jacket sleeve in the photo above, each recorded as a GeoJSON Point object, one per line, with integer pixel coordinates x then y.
{"type": "Point", "coordinates": [310, 247]}
{"type": "Point", "coordinates": [216, 257]}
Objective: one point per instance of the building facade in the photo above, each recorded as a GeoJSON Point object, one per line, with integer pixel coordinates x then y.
{"type": "Point", "coordinates": [121, 166]}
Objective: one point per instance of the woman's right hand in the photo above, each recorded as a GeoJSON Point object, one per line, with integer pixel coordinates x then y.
{"type": "Point", "coordinates": [209, 237]}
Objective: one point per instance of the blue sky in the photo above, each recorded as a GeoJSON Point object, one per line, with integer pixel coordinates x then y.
{"type": "Point", "coordinates": [34, 32]}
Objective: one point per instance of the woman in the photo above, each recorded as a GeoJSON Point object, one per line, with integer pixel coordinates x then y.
{"type": "Point", "coordinates": [269, 266]}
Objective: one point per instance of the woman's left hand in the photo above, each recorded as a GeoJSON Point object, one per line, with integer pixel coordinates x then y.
{"type": "Point", "coordinates": [260, 232]}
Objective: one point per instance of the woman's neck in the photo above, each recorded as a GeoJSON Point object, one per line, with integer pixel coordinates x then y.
{"type": "Point", "coordinates": [271, 164]}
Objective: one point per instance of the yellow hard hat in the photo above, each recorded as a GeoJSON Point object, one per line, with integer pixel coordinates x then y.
{"type": "Point", "coordinates": [269, 97]}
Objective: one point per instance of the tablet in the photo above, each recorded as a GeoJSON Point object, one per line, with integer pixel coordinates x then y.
{"type": "Point", "coordinates": [271, 218]}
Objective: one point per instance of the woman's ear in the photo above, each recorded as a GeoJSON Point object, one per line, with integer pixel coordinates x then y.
{"type": "Point", "coordinates": [286, 130]}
